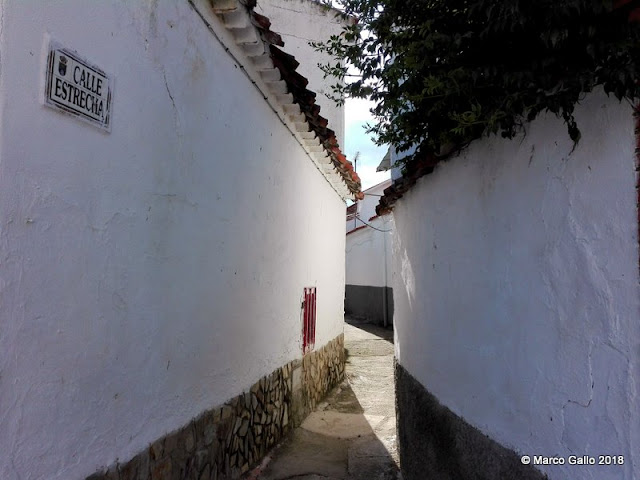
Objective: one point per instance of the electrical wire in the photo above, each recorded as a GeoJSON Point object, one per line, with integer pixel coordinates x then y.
{"type": "Point", "coordinates": [371, 226]}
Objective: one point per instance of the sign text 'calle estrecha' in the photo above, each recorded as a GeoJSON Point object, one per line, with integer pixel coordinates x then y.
{"type": "Point", "coordinates": [78, 88]}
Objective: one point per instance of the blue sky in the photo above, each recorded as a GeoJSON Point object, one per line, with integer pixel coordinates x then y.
{"type": "Point", "coordinates": [357, 140]}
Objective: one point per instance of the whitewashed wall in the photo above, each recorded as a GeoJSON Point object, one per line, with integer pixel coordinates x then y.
{"type": "Point", "coordinates": [516, 289]}
{"type": "Point", "coordinates": [368, 253]}
{"type": "Point", "coordinates": [300, 22]}
{"type": "Point", "coordinates": [154, 272]}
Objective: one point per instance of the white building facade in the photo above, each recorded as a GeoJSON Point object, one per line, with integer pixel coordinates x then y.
{"type": "Point", "coordinates": [515, 270]}
{"type": "Point", "coordinates": [152, 275]}
{"type": "Point", "coordinates": [368, 291]}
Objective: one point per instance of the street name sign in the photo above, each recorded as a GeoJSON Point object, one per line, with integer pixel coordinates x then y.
{"type": "Point", "coordinates": [78, 87]}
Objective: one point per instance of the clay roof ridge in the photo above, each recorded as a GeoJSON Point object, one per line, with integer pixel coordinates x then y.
{"type": "Point", "coordinates": [252, 32]}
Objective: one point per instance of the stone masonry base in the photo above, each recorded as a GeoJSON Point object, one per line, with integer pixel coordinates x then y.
{"type": "Point", "coordinates": [436, 444]}
{"type": "Point", "coordinates": [227, 441]}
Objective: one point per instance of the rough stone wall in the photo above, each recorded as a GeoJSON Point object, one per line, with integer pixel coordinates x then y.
{"type": "Point", "coordinates": [437, 444]}
{"type": "Point", "coordinates": [321, 371]}
{"type": "Point", "coordinates": [228, 440]}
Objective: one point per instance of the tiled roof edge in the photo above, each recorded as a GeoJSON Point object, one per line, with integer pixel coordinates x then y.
{"type": "Point", "coordinates": [277, 69]}
{"type": "Point", "coordinates": [415, 169]}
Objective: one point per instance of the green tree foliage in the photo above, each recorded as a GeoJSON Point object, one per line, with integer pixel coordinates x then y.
{"type": "Point", "coordinates": [446, 72]}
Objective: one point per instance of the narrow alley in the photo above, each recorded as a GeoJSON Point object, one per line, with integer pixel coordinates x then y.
{"type": "Point", "coordinates": [352, 434]}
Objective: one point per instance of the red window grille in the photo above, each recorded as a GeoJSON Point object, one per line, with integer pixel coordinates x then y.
{"type": "Point", "coordinates": [309, 319]}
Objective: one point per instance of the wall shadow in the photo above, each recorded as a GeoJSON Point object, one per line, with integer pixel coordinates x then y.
{"type": "Point", "coordinates": [351, 434]}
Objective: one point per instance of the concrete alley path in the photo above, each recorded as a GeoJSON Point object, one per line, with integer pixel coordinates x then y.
{"type": "Point", "coordinates": [352, 434]}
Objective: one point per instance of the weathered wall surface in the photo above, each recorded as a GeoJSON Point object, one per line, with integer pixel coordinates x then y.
{"type": "Point", "coordinates": [516, 291]}
{"type": "Point", "coordinates": [300, 22]}
{"type": "Point", "coordinates": [153, 273]}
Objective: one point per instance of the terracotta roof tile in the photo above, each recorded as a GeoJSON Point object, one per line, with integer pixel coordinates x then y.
{"type": "Point", "coordinates": [278, 70]}
{"type": "Point", "coordinates": [414, 170]}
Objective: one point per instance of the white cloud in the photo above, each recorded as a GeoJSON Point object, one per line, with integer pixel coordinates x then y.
{"type": "Point", "coordinates": [357, 111]}
{"type": "Point", "coordinates": [370, 177]}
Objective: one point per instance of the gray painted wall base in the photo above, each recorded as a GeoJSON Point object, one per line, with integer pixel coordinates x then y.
{"type": "Point", "coordinates": [436, 444]}
{"type": "Point", "coordinates": [369, 302]}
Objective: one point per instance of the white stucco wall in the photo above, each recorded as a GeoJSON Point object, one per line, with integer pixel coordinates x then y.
{"type": "Point", "coordinates": [154, 272]}
{"type": "Point", "coordinates": [516, 289]}
{"type": "Point", "coordinates": [300, 22]}
{"type": "Point", "coordinates": [368, 253]}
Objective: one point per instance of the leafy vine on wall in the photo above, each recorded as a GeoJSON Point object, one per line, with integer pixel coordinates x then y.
{"type": "Point", "coordinates": [446, 72]}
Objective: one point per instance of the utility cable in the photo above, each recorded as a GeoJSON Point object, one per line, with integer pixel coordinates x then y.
{"type": "Point", "coordinates": [371, 226]}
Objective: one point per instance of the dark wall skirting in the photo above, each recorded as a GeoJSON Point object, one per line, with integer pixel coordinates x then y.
{"type": "Point", "coordinates": [369, 302]}
{"type": "Point", "coordinates": [436, 444]}
{"type": "Point", "coordinates": [227, 441]}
